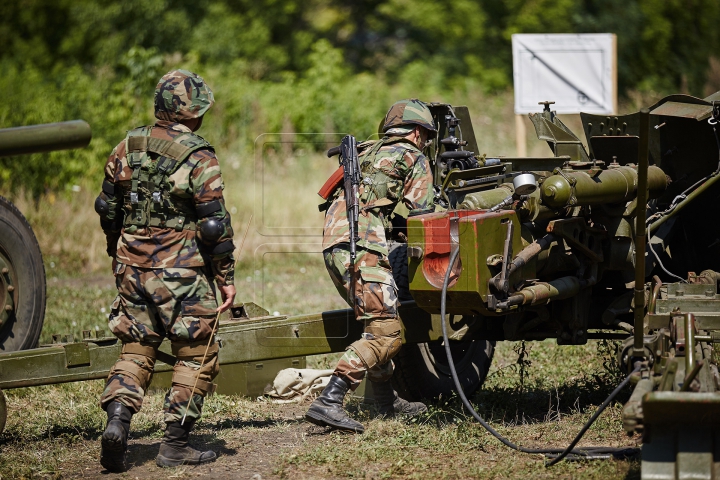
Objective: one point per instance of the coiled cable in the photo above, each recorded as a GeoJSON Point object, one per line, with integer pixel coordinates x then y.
{"type": "Point", "coordinates": [554, 454]}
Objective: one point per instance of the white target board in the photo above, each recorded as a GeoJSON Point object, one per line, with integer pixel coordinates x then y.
{"type": "Point", "coordinates": [576, 71]}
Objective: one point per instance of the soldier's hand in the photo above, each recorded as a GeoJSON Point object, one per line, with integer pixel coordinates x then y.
{"type": "Point", "coordinates": [227, 293]}
{"type": "Point", "coordinates": [114, 266]}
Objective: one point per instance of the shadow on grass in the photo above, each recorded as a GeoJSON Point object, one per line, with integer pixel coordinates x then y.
{"type": "Point", "coordinates": [140, 454]}
{"type": "Point", "coordinates": [512, 405]}
{"type": "Point", "coordinates": [633, 472]}
{"type": "Point", "coordinates": [205, 433]}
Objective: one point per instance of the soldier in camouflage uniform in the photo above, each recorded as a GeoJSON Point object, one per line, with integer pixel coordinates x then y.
{"type": "Point", "coordinates": [393, 171]}
{"type": "Point", "coordinates": [169, 235]}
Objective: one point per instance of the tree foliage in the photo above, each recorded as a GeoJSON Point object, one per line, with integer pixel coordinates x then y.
{"type": "Point", "coordinates": [303, 65]}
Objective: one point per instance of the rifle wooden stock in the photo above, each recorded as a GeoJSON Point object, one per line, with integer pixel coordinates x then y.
{"type": "Point", "coordinates": [331, 184]}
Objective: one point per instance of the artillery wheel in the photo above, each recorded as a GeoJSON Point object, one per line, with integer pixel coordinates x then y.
{"type": "Point", "coordinates": [422, 370]}
{"type": "Point", "coordinates": [3, 412]}
{"type": "Point", "coordinates": [22, 281]}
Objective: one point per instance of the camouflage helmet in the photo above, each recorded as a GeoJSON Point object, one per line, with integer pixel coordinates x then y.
{"type": "Point", "coordinates": [405, 114]}
{"type": "Point", "coordinates": [182, 95]}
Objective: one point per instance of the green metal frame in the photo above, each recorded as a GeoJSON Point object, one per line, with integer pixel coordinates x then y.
{"type": "Point", "coordinates": [242, 340]}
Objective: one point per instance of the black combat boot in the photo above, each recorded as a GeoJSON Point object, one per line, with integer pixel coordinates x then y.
{"type": "Point", "coordinates": [175, 451]}
{"type": "Point", "coordinates": [113, 452]}
{"type": "Point", "coordinates": [327, 409]}
{"type": "Point", "coordinates": [390, 404]}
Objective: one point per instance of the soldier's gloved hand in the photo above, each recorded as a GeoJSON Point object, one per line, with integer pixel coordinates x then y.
{"type": "Point", "coordinates": [114, 266]}
{"type": "Point", "coordinates": [228, 295]}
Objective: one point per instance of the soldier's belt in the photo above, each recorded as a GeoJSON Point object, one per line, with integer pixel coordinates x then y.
{"type": "Point", "coordinates": [178, 223]}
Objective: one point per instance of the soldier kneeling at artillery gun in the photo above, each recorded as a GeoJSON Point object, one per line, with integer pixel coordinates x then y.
{"type": "Point", "coordinates": [391, 171]}
{"type": "Point", "coordinates": [168, 233]}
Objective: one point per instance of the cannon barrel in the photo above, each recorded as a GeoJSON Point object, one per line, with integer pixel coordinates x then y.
{"type": "Point", "coordinates": [44, 138]}
{"type": "Point", "coordinates": [606, 186]}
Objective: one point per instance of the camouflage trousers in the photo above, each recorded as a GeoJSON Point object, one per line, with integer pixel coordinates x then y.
{"type": "Point", "coordinates": [376, 302]}
{"type": "Point", "coordinates": [154, 304]}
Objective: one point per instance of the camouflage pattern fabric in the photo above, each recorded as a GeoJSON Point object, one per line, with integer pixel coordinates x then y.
{"type": "Point", "coordinates": [353, 369]}
{"type": "Point", "coordinates": [153, 304]}
{"type": "Point", "coordinates": [182, 95]}
{"type": "Point", "coordinates": [395, 172]}
{"type": "Point", "coordinates": [376, 302]}
{"type": "Point", "coordinates": [198, 180]}
{"type": "Point", "coordinates": [405, 114]}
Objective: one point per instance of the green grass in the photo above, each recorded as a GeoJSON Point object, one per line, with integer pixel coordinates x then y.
{"type": "Point", "coordinates": [542, 401]}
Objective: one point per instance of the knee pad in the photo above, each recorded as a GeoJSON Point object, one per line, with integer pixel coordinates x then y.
{"type": "Point", "coordinates": [190, 377]}
{"type": "Point", "coordinates": [380, 343]}
{"type": "Point", "coordinates": [137, 361]}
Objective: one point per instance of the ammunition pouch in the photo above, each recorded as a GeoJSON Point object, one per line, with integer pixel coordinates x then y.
{"type": "Point", "coordinates": [148, 201]}
{"type": "Point", "coordinates": [380, 343]}
{"type": "Point", "coordinates": [137, 361]}
{"type": "Point", "coordinates": [186, 376]}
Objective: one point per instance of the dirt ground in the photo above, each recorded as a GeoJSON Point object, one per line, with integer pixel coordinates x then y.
{"type": "Point", "coordinates": [246, 450]}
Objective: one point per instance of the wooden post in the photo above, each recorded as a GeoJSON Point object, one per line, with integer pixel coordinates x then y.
{"type": "Point", "coordinates": [520, 135]}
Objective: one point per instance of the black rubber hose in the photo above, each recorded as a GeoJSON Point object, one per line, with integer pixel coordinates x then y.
{"type": "Point", "coordinates": [587, 453]}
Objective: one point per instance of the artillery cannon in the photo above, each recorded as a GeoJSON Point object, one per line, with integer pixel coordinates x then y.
{"type": "Point", "coordinates": [555, 248]}
{"type": "Point", "coordinates": [22, 274]}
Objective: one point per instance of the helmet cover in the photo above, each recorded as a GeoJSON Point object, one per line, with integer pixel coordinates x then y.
{"type": "Point", "coordinates": [182, 95]}
{"type": "Point", "coordinates": [404, 115]}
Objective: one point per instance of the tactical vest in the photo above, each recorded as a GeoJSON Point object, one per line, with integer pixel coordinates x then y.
{"type": "Point", "coordinates": [379, 187]}
{"type": "Point", "coordinates": [148, 202]}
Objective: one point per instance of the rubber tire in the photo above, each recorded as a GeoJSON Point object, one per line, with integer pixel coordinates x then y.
{"type": "Point", "coordinates": [422, 370]}
{"type": "Point", "coordinates": [19, 245]}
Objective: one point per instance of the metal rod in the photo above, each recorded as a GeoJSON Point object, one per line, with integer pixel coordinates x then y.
{"type": "Point", "coordinates": [640, 231]}
{"type": "Point", "coordinates": [691, 376]}
{"type": "Point", "coordinates": [689, 342]}
{"type": "Point", "coordinates": [655, 294]}
{"type": "Point", "coordinates": [686, 201]}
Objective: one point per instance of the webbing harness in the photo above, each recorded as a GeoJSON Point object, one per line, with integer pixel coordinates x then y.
{"type": "Point", "coordinates": [377, 183]}
{"type": "Point", "coordinates": [149, 202]}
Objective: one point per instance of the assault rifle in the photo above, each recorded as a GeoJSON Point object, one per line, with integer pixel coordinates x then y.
{"type": "Point", "coordinates": [351, 181]}
{"type": "Point", "coordinates": [347, 175]}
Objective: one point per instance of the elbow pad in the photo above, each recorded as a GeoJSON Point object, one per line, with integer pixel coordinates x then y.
{"type": "Point", "coordinates": [101, 206]}
{"type": "Point", "coordinates": [212, 226]}
{"type": "Point", "coordinates": [211, 230]}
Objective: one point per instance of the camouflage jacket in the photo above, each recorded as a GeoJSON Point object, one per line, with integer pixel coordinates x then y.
{"type": "Point", "coordinates": [392, 172]}
{"type": "Point", "coordinates": [198, 179]}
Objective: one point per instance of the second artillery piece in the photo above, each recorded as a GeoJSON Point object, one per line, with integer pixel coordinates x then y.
{"type": "Point", "coordinates": [22, 274]}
